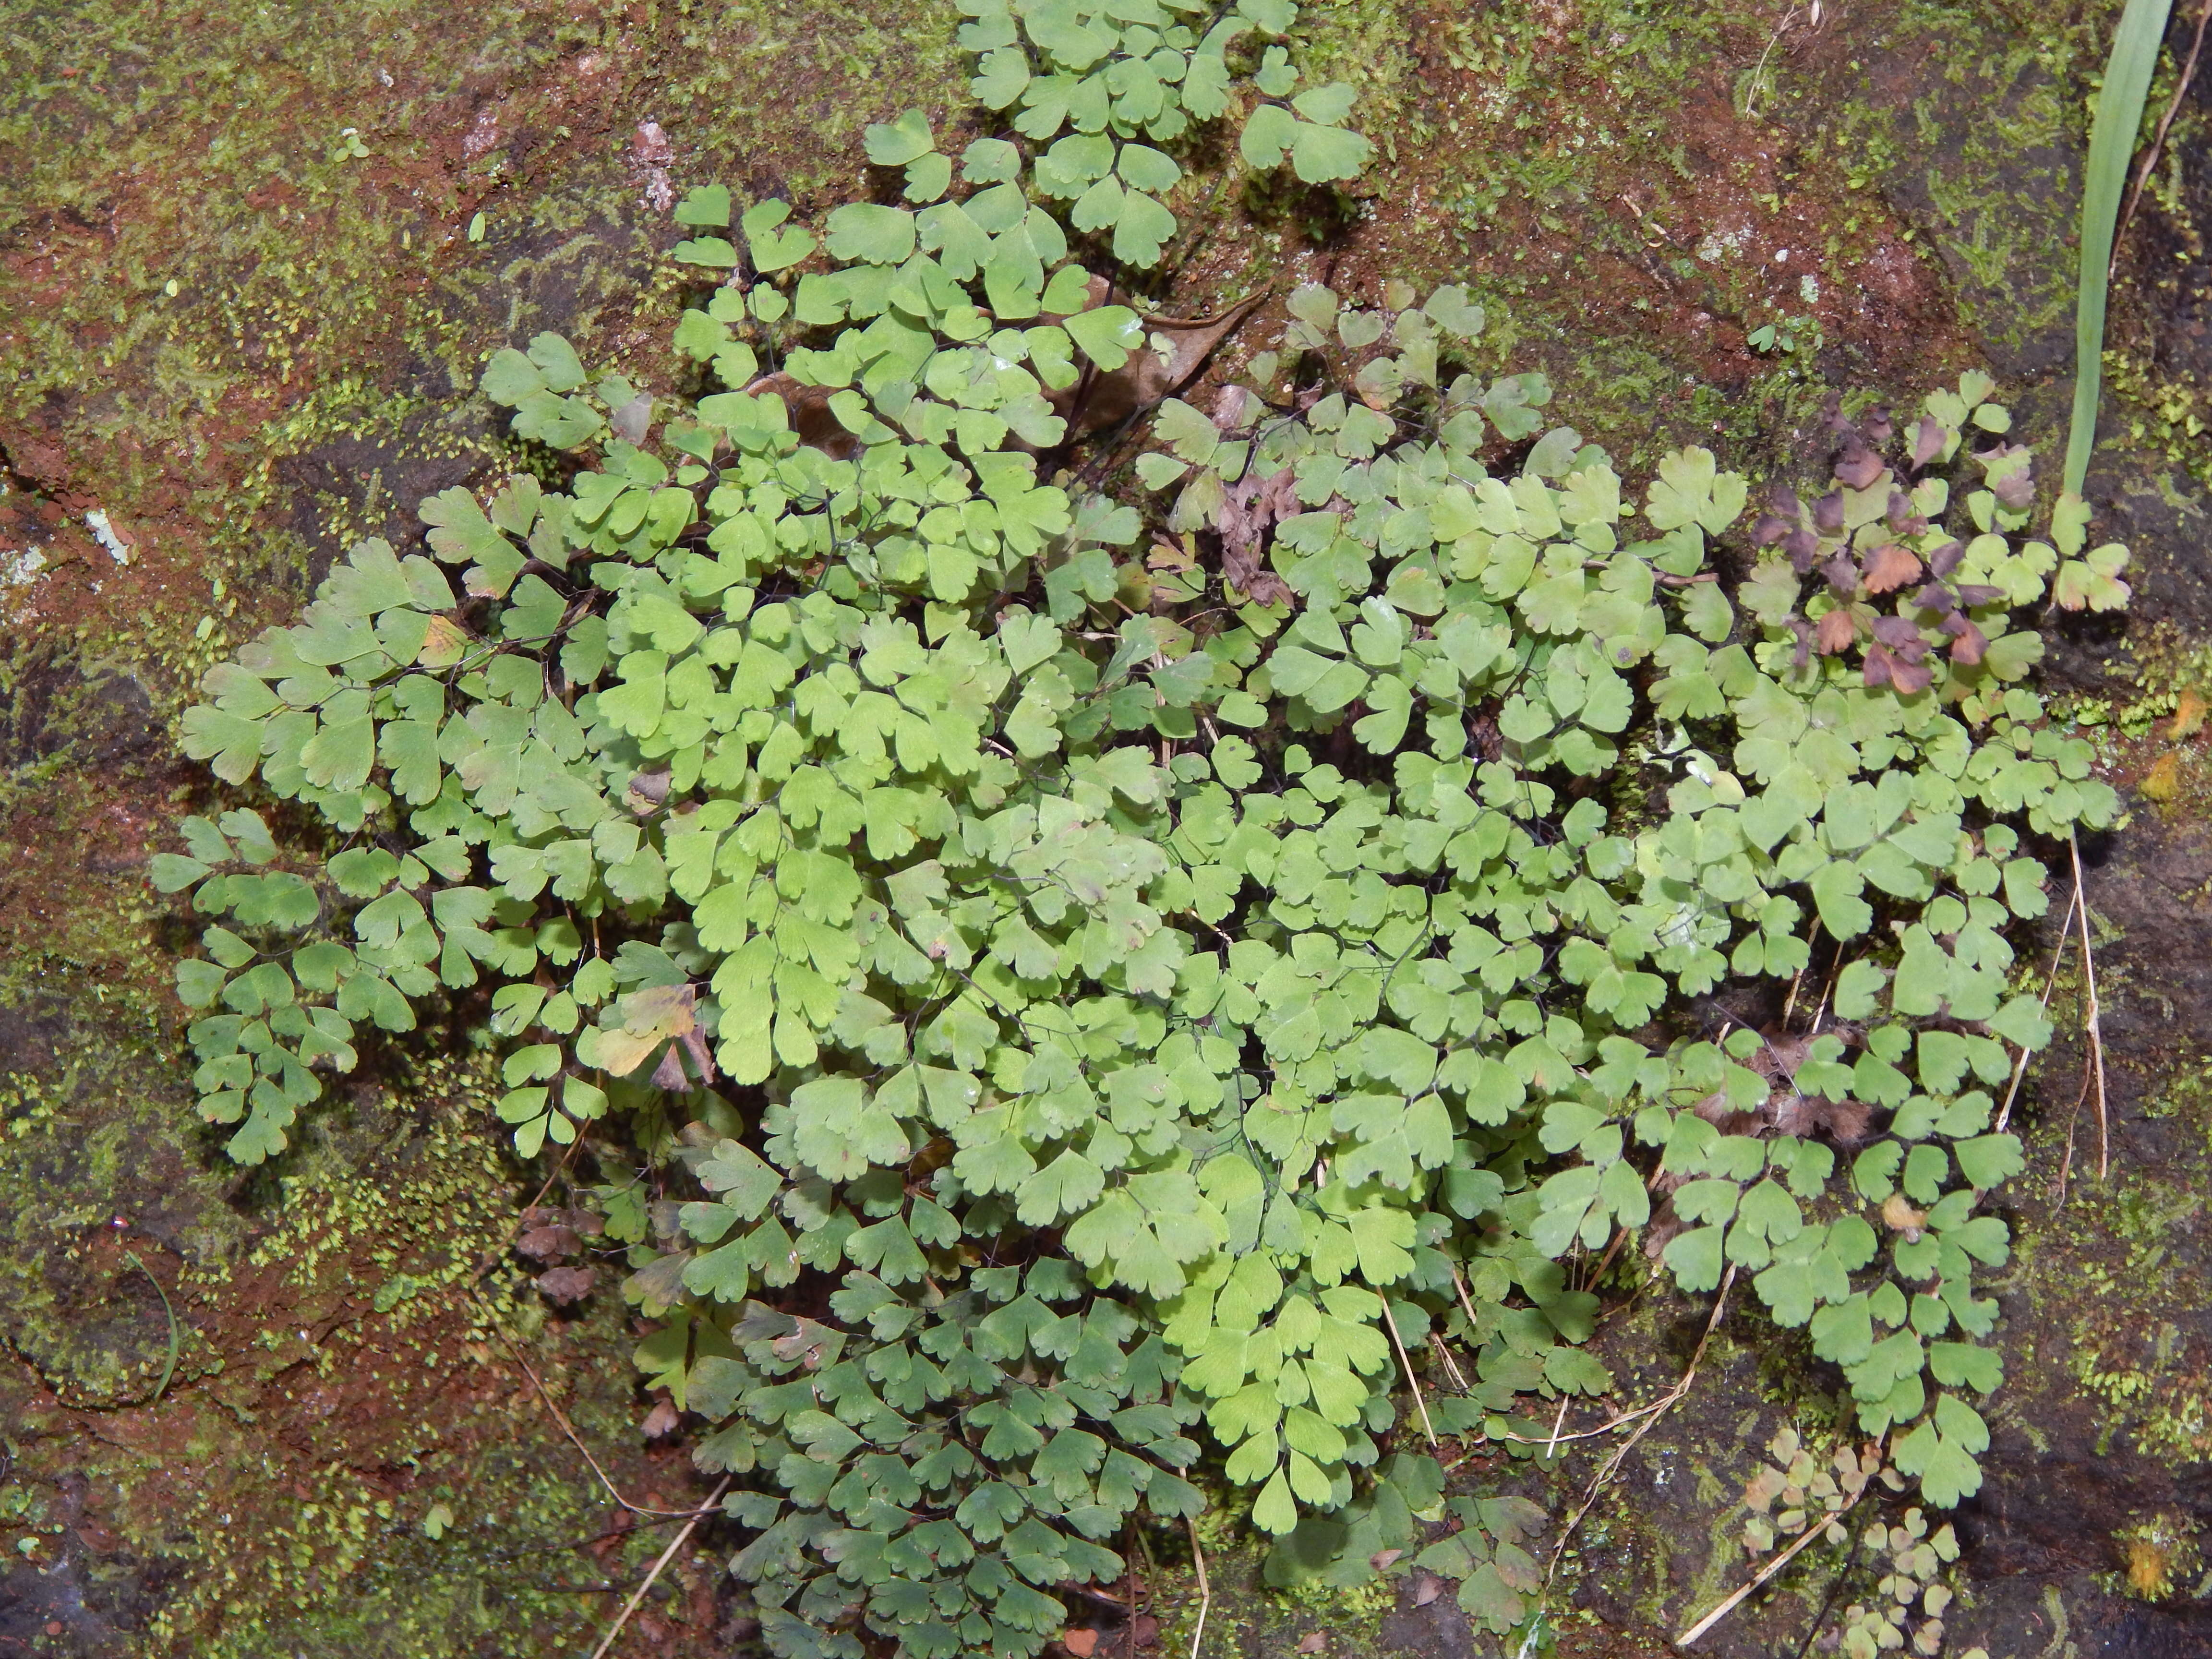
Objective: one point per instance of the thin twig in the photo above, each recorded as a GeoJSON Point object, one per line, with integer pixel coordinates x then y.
{"type": "Point", "coordinates": [2073, 1122]}
{"type": "Point", "coordinates": [1551, 1450]}
{"type": "Point", "coordinates": [2158, 138]}
{"type": "Point", "coordinates": [1204, 1589]}
{"type": "Point", "coordinates": [1835, 971]}
{"type": "Point", "coordinates": [1657, 1409]}
{"type": "Point", "coordinates": [575, 1440]}
{"type": "Point", "coordinates": [1765, 1572]}
{"type": "Point", "coordinates": [1445, 1353]}
{"type": "Point", "coordinates": [1603, 1429]}
{"type": "Point", "coordinates": [2049, 984]}
{"type": "Point", "coordinates": [1835, 1588]}
{"type": "Point", "coordinates": [666, 1555]}
{"type": "Point", "coordinates": [1789, 1002]}
{"type": "Point", "coordinates": [2095, 1032]}
{"type": "Point", "coordinates": [1129, 1567]}
{"type": "Point", "coordinates": [1412, 1382]}
{"type": "Point", "coordinates": [1620, 1237]}
{"type": "Point", "coordinates": [491, 1259]}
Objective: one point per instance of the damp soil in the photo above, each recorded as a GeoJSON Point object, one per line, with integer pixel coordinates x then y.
{"type": "Point", "coordinates": [250, 262]}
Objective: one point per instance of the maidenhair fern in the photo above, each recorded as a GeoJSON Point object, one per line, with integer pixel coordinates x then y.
{"type": "Point", "coordinates": [1113, 973]}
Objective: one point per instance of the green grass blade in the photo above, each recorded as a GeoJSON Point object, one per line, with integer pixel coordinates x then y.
{"type": "Point", "coordinates": [176, 1336]}
{"type": "Point", "coordinates": [2112, 145]}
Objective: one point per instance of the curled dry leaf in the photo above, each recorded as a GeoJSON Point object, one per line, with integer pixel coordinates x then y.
{"type": "Point", "coordinates": [567, 1285]}
{"type": "Point", "coordinates": [633, 419]}
{"type": "Point", "coordinates": [1807, 1116]}
{"type": "Point", "coordinates": [1928, 439]}
{"type": "Point", "coordinates": [670, 1074]}
{"type": "Point", "coordinates": [1249, 509]}
{"type": "Point", "coordinates": [1898, 1215]}
{"type": "Point", "coordinates": [548, 1243]}
{"type": "Point", "coordinates": [650, 1017]}
{"type": "Point", "coordinates": [1313, 1641]}
{"type": "Point", "coordinates": [1857, 467]}
{"type": "Point", "coordinates": [1729, 1120]}
{"type": "Point", "coordinates": [810, 417]}
{"type": "Point", "coordinates": [2016, 488]}
{"type": "Point", "coordinates": [1097, 401]}
{"type": "Point", "coordinates": [661, 1419]}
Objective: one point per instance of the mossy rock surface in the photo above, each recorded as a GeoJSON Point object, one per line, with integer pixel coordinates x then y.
{"type": "Point", "coordinates": [251, 263]}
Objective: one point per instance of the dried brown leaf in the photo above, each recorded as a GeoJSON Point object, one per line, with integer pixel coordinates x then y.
{"type": "Point", "coordinates": [1097, 401]}
{"type": "Point", "coordinates": [1900, 635]}
{"type": "Point", "coordinates": [1857, 467]}
{"type": "Point", "coordinates": [1928, 439]}
{"type": "Point", "coordinates": [548, 1243]}
{"type": "Point", "coordinates": [1807, 1116]}
{"type": "Point", "coordinates": [810, 417]}
{"type": "Point", "coordinates": [2017, 489]}
{"type": "Point", "coordinates": [1835, 631]}
{"type": "Point", "coordinates": [1249, 509]}
{"type": "Point", "coordinates": [1884, 667]}
{"type": "Point", "coordinates": [1891, 566]}
{"type": "Point", "coordinates": [567, 1285]}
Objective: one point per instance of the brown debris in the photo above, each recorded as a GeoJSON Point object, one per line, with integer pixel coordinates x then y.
{"type": "Point", "coordinates": [1249, 509]}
